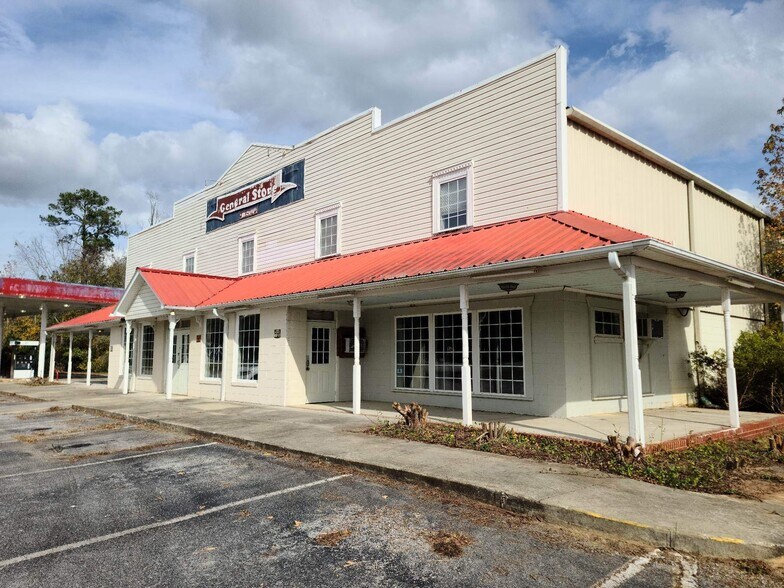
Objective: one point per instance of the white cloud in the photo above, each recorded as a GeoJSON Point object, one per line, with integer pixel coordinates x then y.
{"type": "Point", "coordinates": [715, 88]}
{"type": "Point", "coordinates": [53, 151]}
{"type": "Point", "coordinates": [306, 65]}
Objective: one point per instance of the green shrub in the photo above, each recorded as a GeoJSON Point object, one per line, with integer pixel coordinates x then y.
{"type": "Point", "coordinates": [759, 364]}
{"type": "Point", "coordinates": [759, 367]}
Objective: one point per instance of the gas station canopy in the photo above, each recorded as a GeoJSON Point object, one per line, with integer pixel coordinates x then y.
{"type": "Point", "coordinates": [21, 297]}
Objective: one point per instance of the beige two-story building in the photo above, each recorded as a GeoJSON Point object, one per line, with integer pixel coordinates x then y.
{"type": "Point", "coordinates": [496, 250]}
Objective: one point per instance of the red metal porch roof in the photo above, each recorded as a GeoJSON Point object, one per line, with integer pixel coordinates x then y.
{"type": "Point", "coordinates": [97, 318]}
{"type": "Point", "coordinates": [183, 289]}
{"type": "Point", "coordinates": [524, 238]}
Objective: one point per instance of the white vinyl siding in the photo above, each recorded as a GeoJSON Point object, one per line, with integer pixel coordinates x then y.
{"type": "Point", "coordinates": [506, 127]}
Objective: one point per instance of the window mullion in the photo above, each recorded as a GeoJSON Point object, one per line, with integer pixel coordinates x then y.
{"type": "Point", "coordinates": [431, 333]}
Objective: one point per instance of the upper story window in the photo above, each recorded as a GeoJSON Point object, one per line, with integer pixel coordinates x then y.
{"type": "Point", "coordinates": [328, 232]}
{"type": "Point", "coordinates": [247, 254]}
{"type": "Point", "coordinates": [189, 263]}
{"type": "Point", "coordinates": [453, 196]}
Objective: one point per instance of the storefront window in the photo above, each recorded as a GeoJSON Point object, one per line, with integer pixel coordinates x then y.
{"type": "Point", "coordinates": [148, 350]}
{"type": "Point", "coordinates": [449, 351]}
{"type": "Point", "coordinates": [501, 369]}
{"type": "Point", "coordinates": [248, 347]}
{"type": "Point", "coordinates": [213, 348]}
{"type": "Point", "coordinates": [412, 352]}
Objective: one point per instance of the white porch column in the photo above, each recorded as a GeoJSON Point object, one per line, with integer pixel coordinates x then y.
{"type": "Point", "coordinates": [631, 356]}
{"type": "Point", "coordinates": [42, 340]}
{"type": "Point", "coordinates": [465, 372]}
{"type": "Point", "coordinates": [732, 384]}
{"type": "Point", "coordinates": [127, 364]}
{"type": "Point", "coordinates": [2, 325]}
{"type": "Point", "coordinates": [70, 357]}
{"type": "Point", "coordinates": [224, 355]}
{"type": "Point", "coordinates": [356, 396]}
{"type": "Point", "coordinates": [89, 356]}
{"type": "Point", "coordinates": [167, 386]}
{"type": "Point", "coordinates": [52, 344]}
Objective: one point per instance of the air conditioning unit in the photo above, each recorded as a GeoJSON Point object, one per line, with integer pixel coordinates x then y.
{"type": "Point", "coordinates": [648, 328]}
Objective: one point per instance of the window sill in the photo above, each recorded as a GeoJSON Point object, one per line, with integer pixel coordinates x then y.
{"type": "Point", "coordinates": [245, 383]}
{"type": "Point", "coordinates": [210, 381]}
{"type": "Point", "coordinates": [459, 394]}
{"type": "Point", "coordinates": [451, 229]}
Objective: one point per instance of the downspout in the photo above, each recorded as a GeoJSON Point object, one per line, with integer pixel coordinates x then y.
{"type": "Point", "coordinates": [222, 316]}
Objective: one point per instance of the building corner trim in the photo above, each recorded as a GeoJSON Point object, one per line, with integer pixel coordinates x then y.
{"type": "Point", "coordinates": [561, 58]}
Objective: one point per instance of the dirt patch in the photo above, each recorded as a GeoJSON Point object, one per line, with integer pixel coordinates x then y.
{"type": "Point", "coordinates": [716, 467]}
{"type": "Point", "coordinates": [36, 414]}
{"type": "Point", "coordinates": [50, 435]}
{"type": "Point", "coordinates": [332, 538]}
{"type": "Point", "coordinates": [448, 543]}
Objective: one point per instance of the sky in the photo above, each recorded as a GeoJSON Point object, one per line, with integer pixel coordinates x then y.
{"type": "Point", "coordinates": [129, 96]}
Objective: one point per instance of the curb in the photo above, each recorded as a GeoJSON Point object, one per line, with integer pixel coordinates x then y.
{"type": "Point", "coordinates": [722, 547]}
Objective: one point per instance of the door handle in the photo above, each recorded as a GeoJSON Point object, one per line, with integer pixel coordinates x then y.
{"type": "Point", "coordinates": [307, 363]}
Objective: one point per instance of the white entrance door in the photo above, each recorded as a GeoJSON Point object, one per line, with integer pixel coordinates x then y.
{"type": "Point", "coordinates": [320, 363]}
{"type": "Point", "coordinates": [180, 358]}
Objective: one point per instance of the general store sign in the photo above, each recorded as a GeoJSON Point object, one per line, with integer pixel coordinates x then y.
{"type": "Point", "coordinates": [278, 189]}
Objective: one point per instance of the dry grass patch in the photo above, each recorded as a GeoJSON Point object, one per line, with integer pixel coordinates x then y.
{"type": "Point", "coordinates": [448, 543]}
{"type": "Point", "coordinates": [332, 538]}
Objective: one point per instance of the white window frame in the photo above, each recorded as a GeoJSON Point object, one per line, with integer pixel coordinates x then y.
{"type": "Point", "coordinates": [463, 170]}
{"type": "Point", "coordinates": [524, 306]}
{"type": "Point", "coordinates": [605, 336]}
{"type": "Point", "coordinates": [334, 210]}
{"type": "Point", "coordinates": [141, 351]}
{"type": "Point", "coordinates": [235, 380]}
{"type": "Point", "coordinates": [240, 241]}
{"type": "Point", "coordinates": [203, 369]}
{"type": "Point", "coordinates": [185, 258]}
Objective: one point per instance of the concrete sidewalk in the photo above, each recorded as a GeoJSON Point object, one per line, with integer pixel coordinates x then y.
{"type": "Point", "coordinates": [699, 523]}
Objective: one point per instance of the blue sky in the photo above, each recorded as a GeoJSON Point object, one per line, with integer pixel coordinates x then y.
{"type": "Point", "coordinates": [136, 96]}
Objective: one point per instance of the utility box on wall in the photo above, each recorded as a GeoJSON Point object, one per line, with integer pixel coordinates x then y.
{"type": "Point", "coordinates": [346, 342]}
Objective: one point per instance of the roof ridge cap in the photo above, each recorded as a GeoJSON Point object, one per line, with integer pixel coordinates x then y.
{"type": "Point", "coordinates": [182, 273]}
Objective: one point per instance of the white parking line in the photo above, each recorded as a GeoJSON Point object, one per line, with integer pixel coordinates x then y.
{"type": "Point", "coordinates": [166, 523]}
{"type": "Point", "coordinates": [688, 571]}
{"type": "Point", "coordinates": [627, 571]}
{"type": "Point", "coordinates": [95, 463]}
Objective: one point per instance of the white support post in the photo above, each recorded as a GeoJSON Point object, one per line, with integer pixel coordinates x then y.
{"type": "Point", "coordinates": [2, 334]}
{"type": "Point", "coordinates": [781, 310]}
{"type": "Point", "coordinates": [127, 364]}
{"type": "Point", "coordinates": [732, 384]}
{"type": "Point", "coordinates": [89, 356]}
{"type": "Point", "coordinates": [356, 396]}
{"type": "Point", "coordinates": [52, 348]}
{"type": "Point", "coordinates": [468, 413]}
{"type": "Point", "coordinates": [224, 355]}
{"type": "Point", "coordinates": [70, 358]}
{"type": "Point", "coordinates": [632, 357]}
{"type": "Point", "coordinates": [42, 340]}
{"type": "Point", "coordinates": [170, 352]}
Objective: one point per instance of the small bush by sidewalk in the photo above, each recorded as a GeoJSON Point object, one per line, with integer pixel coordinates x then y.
{"type": "Point", "coordinates": [759, 366]}
{"type": "Point", "coordinates": [746, 468]}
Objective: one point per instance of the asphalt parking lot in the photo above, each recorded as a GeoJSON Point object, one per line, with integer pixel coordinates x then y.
{"type": "Point", "coordinates": [90, 501]}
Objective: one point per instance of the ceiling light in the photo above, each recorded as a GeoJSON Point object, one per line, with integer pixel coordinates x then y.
{"type": "Point", "coordinates": [508, 286]}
